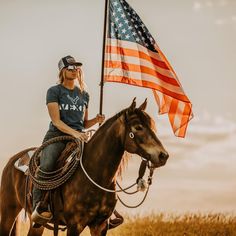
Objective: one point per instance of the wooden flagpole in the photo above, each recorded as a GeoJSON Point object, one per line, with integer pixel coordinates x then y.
{"type": "Point", "coordinates": [103, 55]}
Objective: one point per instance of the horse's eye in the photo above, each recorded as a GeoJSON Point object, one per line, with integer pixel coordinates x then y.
{"type": "Point", "coordinates": [139, 127]}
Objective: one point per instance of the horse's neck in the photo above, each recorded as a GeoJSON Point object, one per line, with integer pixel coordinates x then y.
{"type": "Point", "coordinates": [103, 154]}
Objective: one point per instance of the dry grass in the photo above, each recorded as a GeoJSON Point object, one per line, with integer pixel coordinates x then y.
{"type": "Point", "coordinates": [170, 225]}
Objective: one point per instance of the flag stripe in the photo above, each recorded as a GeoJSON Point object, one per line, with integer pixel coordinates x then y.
{"type": "Point", "coordinates": [124, 55]}
{"type": "Point", "coordinates": [142, 83]}
{"type": "Point", "coordinates": [137, 53]}
{"type": "Point", "coordinates": [154, 74]}
{"type": "Point", "coordinates": [187, 116]}
{"type": "Point", "coordinates": [147, 73]}
{"type": "Point", "coordinates": [137, 47]}
{"type": "Point", "coordinates": [142, 79]}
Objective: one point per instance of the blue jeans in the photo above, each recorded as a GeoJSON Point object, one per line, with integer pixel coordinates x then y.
{"type": "Point", "coordinates": [48, 159]}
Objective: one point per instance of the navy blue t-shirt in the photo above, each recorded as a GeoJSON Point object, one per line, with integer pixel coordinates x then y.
{"type": "Point", "coordinates": [72, 105]}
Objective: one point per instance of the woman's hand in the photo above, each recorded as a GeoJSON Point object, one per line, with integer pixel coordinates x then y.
{"type": "Point", "coordinates": [83, 136]}
{"type": "Point", "coordinates": [100, 118]}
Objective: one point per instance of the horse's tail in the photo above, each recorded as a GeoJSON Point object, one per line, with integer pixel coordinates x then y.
{"type": "Point", "coordinates": [10, 205]}
{"type": "Point", "coordinates": [0, 204]}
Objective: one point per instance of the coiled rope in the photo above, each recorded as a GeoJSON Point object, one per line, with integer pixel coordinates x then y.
{"type": "Point", "coordinates": [52, 180]}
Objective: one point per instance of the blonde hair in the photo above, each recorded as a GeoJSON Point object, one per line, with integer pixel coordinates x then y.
{"type": "Point", "coordinates": [81, 83]}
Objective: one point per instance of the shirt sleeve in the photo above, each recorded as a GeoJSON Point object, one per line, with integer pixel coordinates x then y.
{"type": "Point", "coordinates": [52, 95]}
{"type": "Point", "coordinates": [86, 99]}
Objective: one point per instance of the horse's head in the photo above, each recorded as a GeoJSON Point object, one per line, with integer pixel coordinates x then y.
{"type": "Point", "coordinates": [140, 137]}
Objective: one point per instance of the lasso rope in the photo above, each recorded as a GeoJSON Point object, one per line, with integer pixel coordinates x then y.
{"type": "Point", "coordinates": [52, 180]}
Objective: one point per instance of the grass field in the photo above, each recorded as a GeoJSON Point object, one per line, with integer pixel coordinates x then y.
{"type": "Point", "coordinates": [169, 225]}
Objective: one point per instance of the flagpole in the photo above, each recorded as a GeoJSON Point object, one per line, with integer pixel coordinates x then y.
{"type": "Point", "coordinates": [103, 55]}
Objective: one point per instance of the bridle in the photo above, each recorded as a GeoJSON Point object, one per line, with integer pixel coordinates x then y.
{"type": "Point", "coordinates": [131, 135]}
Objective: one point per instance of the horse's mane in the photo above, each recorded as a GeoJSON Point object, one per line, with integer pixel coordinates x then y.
{"type": "Point", "coordinates": [111, 120]}
{"type": "Point", "coordinates": [126, 156]}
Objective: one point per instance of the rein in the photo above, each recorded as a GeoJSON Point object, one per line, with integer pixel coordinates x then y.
{"type": "Point", "coordinates": [121, 189]}
{"type": "Point", "coordinates": [99, 186]}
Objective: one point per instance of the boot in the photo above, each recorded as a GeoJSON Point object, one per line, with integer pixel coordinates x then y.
{"type": "Point", "coordinates": [41, 215]}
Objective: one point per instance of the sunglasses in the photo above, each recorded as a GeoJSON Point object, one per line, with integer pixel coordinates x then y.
{"type": "Point", "coordinates": [72, 67]}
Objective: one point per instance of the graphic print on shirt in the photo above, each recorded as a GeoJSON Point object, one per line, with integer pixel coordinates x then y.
{"type": "Point", "coordinates": [74, 106]}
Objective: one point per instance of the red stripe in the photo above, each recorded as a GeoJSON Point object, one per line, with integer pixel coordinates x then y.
{"type": "Point", "coordinates": [172, 112]}
{"type": "Point", "coordinates": [143, 83]}
{"type": "Point", "coordinates": [167, 62]}
{"type": "Point", "coordinates": [136, 53]}
{"type": "Point", "coordinates": [186, 117]}
{"type": "Point", "coordinates": [141, 69]}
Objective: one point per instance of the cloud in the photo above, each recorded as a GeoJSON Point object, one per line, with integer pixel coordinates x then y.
{"type": "Point", "coordinates": [226, 21]}
{"type": "Point", "coordinates": [207, 136]}
{"type": "Point", "coordinates": [220, 22]}
{"type": "Point", "coordinates": [197, 6]}
{"type": "Point", "coordinates": [223, 3]}
{"type": "Point", "coordinates": [233, 18]}
{"type": "Point", "coordinates": [209, 3]}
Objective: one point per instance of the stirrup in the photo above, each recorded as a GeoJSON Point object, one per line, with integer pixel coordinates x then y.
{"type": "Point", "coordinates": [41, 218]}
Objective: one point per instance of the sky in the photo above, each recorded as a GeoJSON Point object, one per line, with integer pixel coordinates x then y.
{"type": "Point", "coordinates": [198, 38]}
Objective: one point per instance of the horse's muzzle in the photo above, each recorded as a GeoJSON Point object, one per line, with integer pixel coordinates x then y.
{"type": "Point", "coordinates": [163, 156]}
{"type": "Point", "coordinates": [160, 159]}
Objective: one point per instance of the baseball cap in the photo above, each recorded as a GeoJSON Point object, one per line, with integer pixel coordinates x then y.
{"type": "Point", "coordinates": [68, 61]}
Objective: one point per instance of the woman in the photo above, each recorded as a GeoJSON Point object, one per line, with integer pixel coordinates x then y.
{"type": "Point", "coordinates": [68, 109]}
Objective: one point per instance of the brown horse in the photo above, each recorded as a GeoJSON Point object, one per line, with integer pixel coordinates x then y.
{"type": "Point", "coordinates": [84, 203]}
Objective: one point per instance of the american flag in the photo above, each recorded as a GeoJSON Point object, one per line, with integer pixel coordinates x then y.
{"type": "Point", "coordinates": [133, 57]}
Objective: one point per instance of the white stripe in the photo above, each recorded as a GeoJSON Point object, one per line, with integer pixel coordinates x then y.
{"type": "Point", "coordinates": [178, 114]}
{"type": "Point", "coordinates": [143, 77]}
{"type": "Point", "coordinates": [139, 61]}
{"type": "Point", "coordinates": [134, 46]}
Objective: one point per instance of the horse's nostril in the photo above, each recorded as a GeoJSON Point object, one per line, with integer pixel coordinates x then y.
{"type": "Point", "coordinates": [163, 156]}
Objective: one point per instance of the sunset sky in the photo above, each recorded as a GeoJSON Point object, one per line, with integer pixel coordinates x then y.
{"type": "Point", "coordinates": [198, 38]}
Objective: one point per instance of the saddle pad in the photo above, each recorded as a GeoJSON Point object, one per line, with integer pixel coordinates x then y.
{"type": "Point", "coordinates": [23, 162]}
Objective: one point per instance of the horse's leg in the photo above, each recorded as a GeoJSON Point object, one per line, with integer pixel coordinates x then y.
{"type": "Point", "coordinates": [99, 230]}
{"type": "Point", "coordinates": [8, 216]}
{"type": "Point", "coordinates": [74, 230]}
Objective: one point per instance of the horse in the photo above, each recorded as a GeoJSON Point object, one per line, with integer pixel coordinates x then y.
{"type": "Point", "coordinates": [85, 204]}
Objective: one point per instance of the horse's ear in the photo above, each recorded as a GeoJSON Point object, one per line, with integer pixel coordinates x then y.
{"type": "Point", "coordinates": [133, 105]}
{"type": "Point", "coordinates": [144, 105]}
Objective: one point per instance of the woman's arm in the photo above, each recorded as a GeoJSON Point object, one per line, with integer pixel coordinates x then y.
{"type": "Point", "coordinates": [54, 113]}
{"type": "Point", "coordinates": [89, 123]}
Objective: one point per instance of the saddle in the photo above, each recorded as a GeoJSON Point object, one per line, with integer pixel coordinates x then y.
{"type": "Point", "coordinates": [22, 163]}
